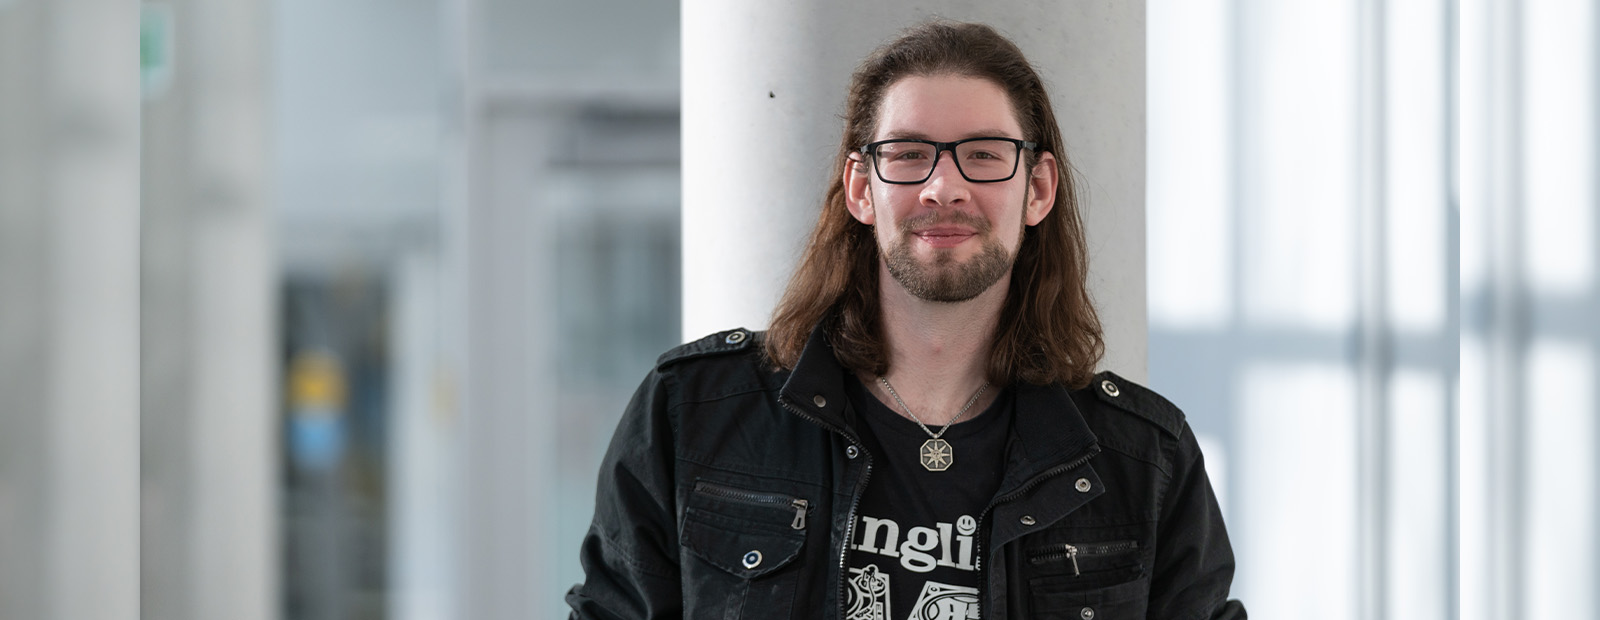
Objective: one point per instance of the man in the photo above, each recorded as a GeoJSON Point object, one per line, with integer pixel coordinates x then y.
{"type": "Point", "coordinates": [920, 434]}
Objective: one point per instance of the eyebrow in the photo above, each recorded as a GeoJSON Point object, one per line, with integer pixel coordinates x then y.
{"type": "Point", "coordinates": [917, 135]}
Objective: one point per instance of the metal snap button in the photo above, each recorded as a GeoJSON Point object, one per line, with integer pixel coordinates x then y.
{"type": "Point", "coordinates": [1086, 613]}
{"type": "Point", "coordinates": [752, 559]}
{"type": "Point", "coordinates": [735, 337]}
{"type": "Point", "coordinates": [851, 452]}
{"type": "Point", "coordinates": [1028, 520]}
{"type": "Point", "coordinates": [819, 400]}
{"type": "Point", "coordinates": [1110, 388]}
{"type": "Point", "coordinates": [1083, 485]}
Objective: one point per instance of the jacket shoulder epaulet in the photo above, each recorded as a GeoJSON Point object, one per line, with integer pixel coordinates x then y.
{"type": "Point", "coordinates": [720, 343]}
{"type": "Point", "coordinates": [1138, 400]}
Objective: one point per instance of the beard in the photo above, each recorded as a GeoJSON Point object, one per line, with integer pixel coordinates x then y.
{"type": "Point", "coordinates": [944, 279]}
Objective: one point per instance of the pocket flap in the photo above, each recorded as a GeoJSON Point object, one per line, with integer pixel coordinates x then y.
{"type": "Point", "coordinates": [1126, 600]}
{"type": "Point", "coordinates": [741, 548]}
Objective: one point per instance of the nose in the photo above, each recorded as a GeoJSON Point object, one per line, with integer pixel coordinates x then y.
{"type": "Point", "coordinates": [945, 186]}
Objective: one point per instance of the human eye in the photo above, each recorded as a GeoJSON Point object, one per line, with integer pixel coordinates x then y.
{"type": "Point", "coordinates": [986, 150]}
{"type": "Point", "coordinates": [903, 152]}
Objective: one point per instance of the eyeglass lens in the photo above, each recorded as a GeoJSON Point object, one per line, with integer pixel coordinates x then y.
{"type": "Point", "coordinates": [979, 160]}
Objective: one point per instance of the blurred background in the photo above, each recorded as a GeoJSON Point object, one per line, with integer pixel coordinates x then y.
{"type": "Point", "coordinates": [326, 310]}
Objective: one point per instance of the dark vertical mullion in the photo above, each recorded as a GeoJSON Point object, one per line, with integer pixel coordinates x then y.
{"type": "Point", "coordinates": [1373, 351]}
{"type": "Point", "coordinates": [1450, 148]}
{"type": "Point", "coordinates": [1506, 324]}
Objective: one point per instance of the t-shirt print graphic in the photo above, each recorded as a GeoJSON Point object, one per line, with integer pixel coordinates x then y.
{"type": "Point", "coordinates": [945, 602]}
{"type": "Point", "coordinates": [869, 594]}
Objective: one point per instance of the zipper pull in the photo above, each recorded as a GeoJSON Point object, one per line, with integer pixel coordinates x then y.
{"type": "Point", "coordinates": [800, 506]}
{"type": "Point", "coordinates": [1072, 554]}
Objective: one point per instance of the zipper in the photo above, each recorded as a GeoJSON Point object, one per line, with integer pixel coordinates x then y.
{"type": "Point", "coordinates": [1055, 553]}
{"type": "Point", "coordinates": [749, 497]}
{"type": "Point", "coordinates": [983, 533]}
{"type": "Point", "coordinates": [855, 498]}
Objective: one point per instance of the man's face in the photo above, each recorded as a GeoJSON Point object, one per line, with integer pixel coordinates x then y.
{"type": "Point", "coordinates": [948, 239]}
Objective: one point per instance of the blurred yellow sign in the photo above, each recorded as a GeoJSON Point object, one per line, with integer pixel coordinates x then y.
{"type": "Point", "coordinates": [316, 382]}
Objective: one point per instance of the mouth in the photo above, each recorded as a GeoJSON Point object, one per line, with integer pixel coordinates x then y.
{"type": "Point", "coordinates": [945, 236]}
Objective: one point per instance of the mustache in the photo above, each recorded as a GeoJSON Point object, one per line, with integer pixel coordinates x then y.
{"type": "Point", "coordinates": [944, 218]}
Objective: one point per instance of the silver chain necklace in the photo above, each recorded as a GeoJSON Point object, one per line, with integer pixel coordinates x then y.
{"type": "Point", "coordinates": [936, 453]}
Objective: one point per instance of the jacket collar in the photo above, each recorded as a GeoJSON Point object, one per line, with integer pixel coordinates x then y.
{"type": "Point", "coordinates": [1048, 432]}
{"type": "Point", "coordinates": [815, 387]}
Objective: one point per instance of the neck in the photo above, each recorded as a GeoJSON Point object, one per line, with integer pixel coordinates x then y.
{"type": "Point", "coordinates": [938, 352]}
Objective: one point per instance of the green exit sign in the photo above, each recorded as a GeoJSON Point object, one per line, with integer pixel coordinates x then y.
{"type": "Point", "coordinates": [155, 49]}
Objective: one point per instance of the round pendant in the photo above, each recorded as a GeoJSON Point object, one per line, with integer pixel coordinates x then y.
{"type": "Point", "coordinates": [936, 455]}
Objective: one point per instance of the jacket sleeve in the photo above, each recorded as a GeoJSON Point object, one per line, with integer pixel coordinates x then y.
{"type": "Point", "coordinates": [630, 554]}
{"type": "Point", "coordinates": [1194, 561]}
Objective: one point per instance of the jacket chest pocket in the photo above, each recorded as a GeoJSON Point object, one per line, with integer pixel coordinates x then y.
{"type": "Point", "coordinates": [742, 545]}
{"type": "Point", "coordinates": [1114, 602]}
{"type": "Point", "coordinates": [1102, 560]}
{"type": "Point", "coordinates": [1088, 579]}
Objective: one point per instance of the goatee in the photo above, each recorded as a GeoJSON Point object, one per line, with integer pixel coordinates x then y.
{"type": "Point", "coordinates": [945, 280]}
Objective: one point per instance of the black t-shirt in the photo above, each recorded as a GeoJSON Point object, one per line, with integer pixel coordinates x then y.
{"type": "Point", "coordinates": [914, 552]}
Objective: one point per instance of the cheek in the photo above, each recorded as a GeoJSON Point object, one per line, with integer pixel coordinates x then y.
{"type": "Point", "coordinates": [1015, 224]}
{"type": "Point", "coordinates": [884, 231]}
{"type": "Point", "coordinates": [887, 209]}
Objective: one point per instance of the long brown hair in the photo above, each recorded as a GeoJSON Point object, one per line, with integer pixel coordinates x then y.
{"type": "Point", "coordinates": [1048, 331]}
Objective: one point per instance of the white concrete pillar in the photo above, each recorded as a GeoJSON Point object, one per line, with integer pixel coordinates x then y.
{"type": "Point", "coordinates": [208, 435]}
{"type": "Point", "coordinates": [778, 71]}
{"type": "Point", "coordinates": [235, 404]}
{"type": "Point", "coordinates": [69, 310]}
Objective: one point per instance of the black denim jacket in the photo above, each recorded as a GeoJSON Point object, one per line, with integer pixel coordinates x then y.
{"type": "Point", "coordinates": [729, 491]}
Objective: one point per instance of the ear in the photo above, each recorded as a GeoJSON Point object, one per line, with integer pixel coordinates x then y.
{"type": "Point", "coordinates": [1041, 189]}
{"type": "Point", "coordinates": [858, 189]}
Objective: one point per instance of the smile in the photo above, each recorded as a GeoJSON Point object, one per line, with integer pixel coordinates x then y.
{"type": "Point", "coordinates": [945, 237]}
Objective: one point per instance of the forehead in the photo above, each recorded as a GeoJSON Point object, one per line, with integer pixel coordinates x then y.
{"type": "Point", "coordinates": [945, 108]}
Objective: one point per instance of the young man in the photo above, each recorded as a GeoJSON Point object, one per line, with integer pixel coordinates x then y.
{"type": "Point", "coordinates": [920, 434]}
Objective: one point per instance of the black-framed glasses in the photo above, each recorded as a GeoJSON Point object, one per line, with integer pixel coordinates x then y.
{"type": "Point", "coordinates": [980, 160]}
